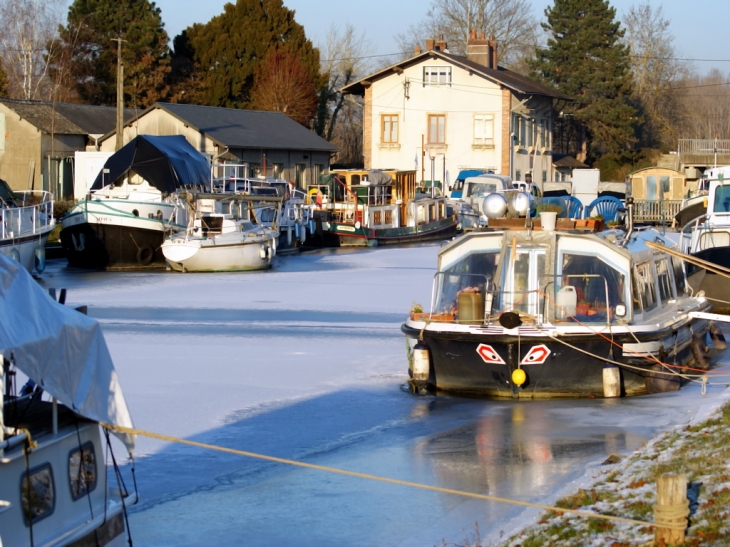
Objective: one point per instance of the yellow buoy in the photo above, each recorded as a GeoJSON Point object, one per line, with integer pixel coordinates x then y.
{"type": "Point", "coordinates": [518, 377]}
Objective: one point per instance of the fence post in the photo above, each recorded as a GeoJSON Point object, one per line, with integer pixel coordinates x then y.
{"type": "Point", "coordinates": [671, 509]}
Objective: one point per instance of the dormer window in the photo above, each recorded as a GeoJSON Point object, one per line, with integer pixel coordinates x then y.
{"type": "Point", "coordinates": [437, 75]}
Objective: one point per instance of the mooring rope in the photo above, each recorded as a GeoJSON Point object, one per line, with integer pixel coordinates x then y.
{"type": "Point", "coordinates": [366, 476]}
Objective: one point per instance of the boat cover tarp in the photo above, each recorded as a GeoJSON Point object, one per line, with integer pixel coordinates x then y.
{"type": "Point", "coordinates": [379, 178]}
{"type": "Point", "coordinates": [165, 162]}
{"type": "Point", "coordinates": [60, 349]}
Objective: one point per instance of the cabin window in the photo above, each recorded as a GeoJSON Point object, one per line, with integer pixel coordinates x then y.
{"type": "Point", "coordinates": [436, 129]}
{"type": "Point", "coordinates": [484, 129]}
{"type": "Point", "coordinates": [376, 217]}
{"type": "Point", "coordinates": [481, 189]}
{"type": "Point", "coordinates": [645, 286]}
{"type": "Point", "coordinates": [389, 128]}
{"type": "Point", "coordinates": [473, 273]}
{"type": "Point", "coordinates": [389, 216]}
{"type": "Point", "coordinates": [679, 276]}
{"type": "Point", "coordinates": [82, 470]}
{"type": "Point", "coordinates": [594, 281]}
{"type": "Point", "coordinates": [722, 199]}
{"type": "Point", "coordinates": [37, 493]}
{"type": "Point", "coordinates": [436, 75]}
{"type": "Point", "coordinates": [354, 180]}
{"type": "Point", "coordinates": [420, 214]}
{"type": "Point", "coordinates": [665, 282]}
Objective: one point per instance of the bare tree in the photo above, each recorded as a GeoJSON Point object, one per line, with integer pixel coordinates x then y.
{"type": "Point", "coordinates": [704, 106]}
{"type": "Point", "coordinates": [28, 27]}
{"type": "Point", "coordinates": [510, 22]}
{"type": "Point", "coordinates": [345, 59]}
{"type": "Point", "coordinates": [655, 73]}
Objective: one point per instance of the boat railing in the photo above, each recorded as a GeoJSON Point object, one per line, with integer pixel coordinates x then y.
{"type": "Point", "coordinates": [656, 210]}
{"type": "Point", "coordinates": [685, 234]}
{"type": "Point", "coordinates": [30, 219]}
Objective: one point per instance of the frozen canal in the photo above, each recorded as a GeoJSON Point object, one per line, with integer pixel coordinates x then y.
{"type": "Point", "coordinates": [306, 362]}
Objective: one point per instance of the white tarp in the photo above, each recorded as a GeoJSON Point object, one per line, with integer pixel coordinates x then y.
{"type": "Point", "coordinates": [60, 349]}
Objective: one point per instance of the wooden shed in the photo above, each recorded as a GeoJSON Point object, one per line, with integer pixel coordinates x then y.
{"type": "Point", "coordinates": [657, 193]}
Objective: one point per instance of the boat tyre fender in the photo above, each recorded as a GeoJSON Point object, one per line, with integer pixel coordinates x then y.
{"type": "Point", "coordinates": [145, 255]}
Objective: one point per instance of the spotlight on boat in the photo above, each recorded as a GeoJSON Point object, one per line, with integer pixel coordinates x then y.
{"type": "Point", "coordinates": [519, 204]}
{"type": "Point", "coordinates": [494, 206]}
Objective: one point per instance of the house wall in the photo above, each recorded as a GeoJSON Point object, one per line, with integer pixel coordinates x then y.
{"type": "Point", "coordinates": [405, 97]}
{"type": "Point", "coordinates": [20, 148]}
{"type": "Point", "coordinates": [58, 163]}
{"type": "Point", "coordinates": [281, 163]}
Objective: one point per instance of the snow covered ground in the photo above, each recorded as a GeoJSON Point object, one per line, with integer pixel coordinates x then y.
{"type": "Point", "coordinates": [306, 362]}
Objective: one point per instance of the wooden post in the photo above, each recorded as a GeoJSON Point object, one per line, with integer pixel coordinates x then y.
{"type": "Point", "coordinates": [671, 509]}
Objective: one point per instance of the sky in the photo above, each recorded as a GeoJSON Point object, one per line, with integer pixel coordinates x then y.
{"type": "Point", "coordinates": [698, 26]}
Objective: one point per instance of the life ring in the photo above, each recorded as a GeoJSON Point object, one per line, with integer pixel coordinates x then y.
{"type": "Point", "coordinates": [312, 194]}
{"type": "Point", "coordinates": [145, 255]}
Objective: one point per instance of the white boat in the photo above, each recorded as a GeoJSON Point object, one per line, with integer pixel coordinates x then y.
{"type": "Point", "coordinates": [540, 313]}
{"type": "Point", "coordinates": [26, 221]}
{"type": "Point", "coordinates": [137, 200]}
{"type": "Point", "coordinates": [54, 485]}
{"type": "Point", "coordinates": [229, 233]}
{"type": "Point", "coordinates": [707, 237]}
{"type": "Point", "coordinates": [296, 221]}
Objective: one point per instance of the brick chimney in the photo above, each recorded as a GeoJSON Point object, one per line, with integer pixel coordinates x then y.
{"type": "Point", "coordinates": [492, 52]}
{"type": "Point", "coordinates": [440, 44]}
{"type": "Point", "coordinates": [429, 44]}
{"type": "Point", "coordinates": [478, 49]}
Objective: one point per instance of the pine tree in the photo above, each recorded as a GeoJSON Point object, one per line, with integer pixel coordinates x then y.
{"type": "Point", "coordinates": [225, 52]}
{"type": "Point", "coordinates": [586, 59]}
{"type": "Point", "coordinates": [88, 62]}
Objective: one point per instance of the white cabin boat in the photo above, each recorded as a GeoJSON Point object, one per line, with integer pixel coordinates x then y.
{"type": "Point", "coordinates": [707, 237]}
{"type": "Point", "coordinates": [229, 233]}
{"type": "Point", "coordinates": [532, 313]}
{"type": "Point", "coordinates": [26, 221]}
{"type": "Point", "coordinates": [54, 485]}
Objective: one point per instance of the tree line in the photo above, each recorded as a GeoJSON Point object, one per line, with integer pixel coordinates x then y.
{"type": "Point", "coordinates": [633, 97]}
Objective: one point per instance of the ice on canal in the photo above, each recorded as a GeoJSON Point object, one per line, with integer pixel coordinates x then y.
{"type": "Point", "coordinates": [306, 362]}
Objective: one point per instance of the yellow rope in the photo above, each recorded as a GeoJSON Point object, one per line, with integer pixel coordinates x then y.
{"type": "Point", "coordinates": [247, 454]}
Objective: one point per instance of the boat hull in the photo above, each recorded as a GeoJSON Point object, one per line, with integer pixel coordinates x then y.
{"type": "Point", "coordinates": [207, 255]}
{"type": "Point", "coordinates": [340, 234]}
{"type": "Point", "coordinates": [105, 236]}
{"type": "Point", "coordinates": [474, 364]}
{"type": "Point", "coordinates": [25, 247]}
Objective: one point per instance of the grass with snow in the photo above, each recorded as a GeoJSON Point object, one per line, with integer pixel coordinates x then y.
{"type": "Point", "coordinates": [628, 489]}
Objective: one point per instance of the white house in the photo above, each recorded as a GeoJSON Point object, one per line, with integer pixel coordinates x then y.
{"type": "Point", "coordinates": [443, 113]}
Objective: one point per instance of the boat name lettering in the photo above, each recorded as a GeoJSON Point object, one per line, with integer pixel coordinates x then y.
{"type": "Point", "coordinates": [346, 228]}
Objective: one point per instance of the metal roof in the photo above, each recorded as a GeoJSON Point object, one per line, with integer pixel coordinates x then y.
{"type": "Point", "coordinates": [500, 75]}
{"type": "Point", "coordinates": [236, 128]}
{"type": "Point", "coordinates": [66, 118]}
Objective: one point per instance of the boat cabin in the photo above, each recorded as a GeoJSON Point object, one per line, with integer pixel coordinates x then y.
{"type": "Point", "coordinates": [554, 277]}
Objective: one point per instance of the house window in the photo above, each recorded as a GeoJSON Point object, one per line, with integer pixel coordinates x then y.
{"type": "Point", "coordinates": [436, 75]}
{"type": "Point", "coordinates": [318, 170]}
{"type": "Point", "coordinates": [279, 170]}
{"type": "Point", "coordinates": [544, 176]}
{"type": "Point", "coordinates": [389, 128]}
{"type": "Point", "coordinates": [518, 175]}
{"type": "Point", "coordinates": [436, 129]}
{"type": "Point", "coordinates": [484, 129]}
{"type": "Point", "coordinates": [542, 133]}
{"type": "Point", "coordinates": [82, 470]}
{"type": "Point", "coordinates": [37, 493]}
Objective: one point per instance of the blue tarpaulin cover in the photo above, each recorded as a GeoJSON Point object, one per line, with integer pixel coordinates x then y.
{"type": "Point", "coordinates": [165, 162]}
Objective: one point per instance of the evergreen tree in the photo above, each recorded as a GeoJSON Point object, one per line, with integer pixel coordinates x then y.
{"type": "Point", "coordinates": [586, 59]}
{"type": "Point", "coordinates": [225, 52]}
{"type": "Point", "coordinates": [88, 62]}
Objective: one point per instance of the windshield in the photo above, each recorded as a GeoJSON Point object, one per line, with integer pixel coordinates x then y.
{"type": "Point", "coordinates": [481, 189]}
{"type": "Point", "coordinates": [722, 199]}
